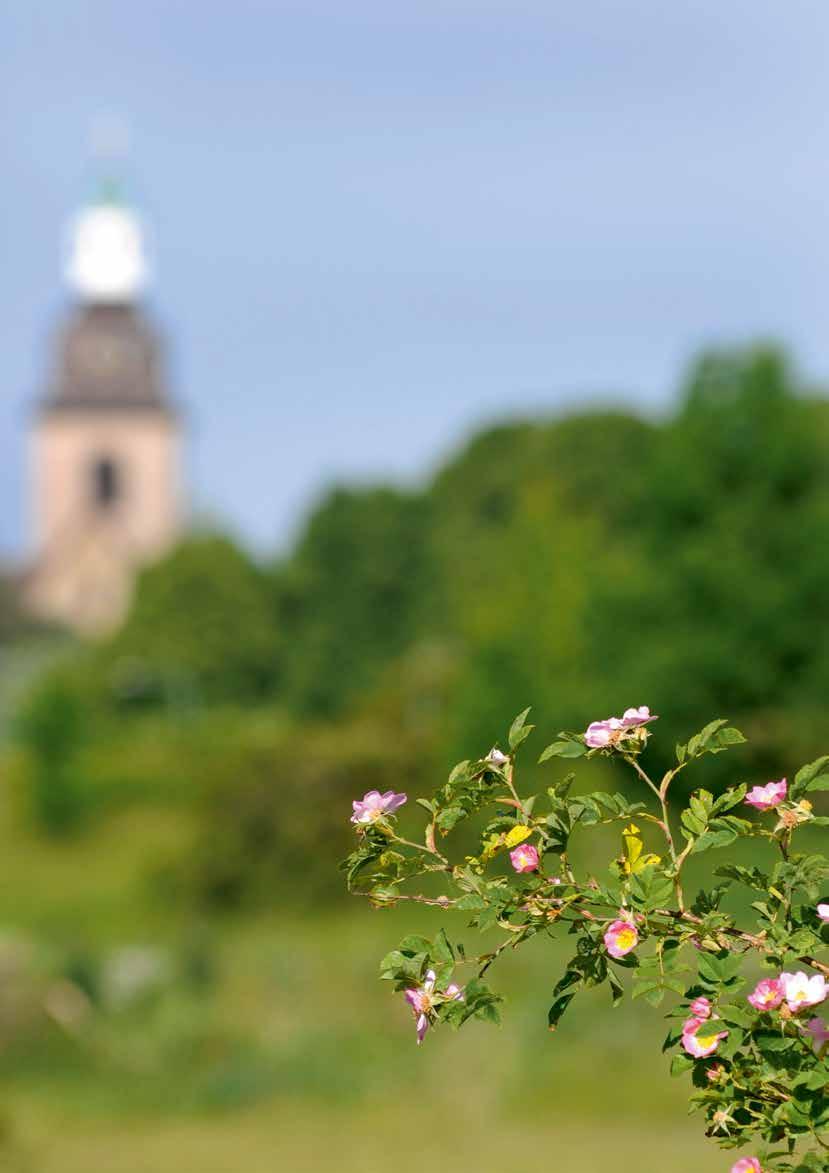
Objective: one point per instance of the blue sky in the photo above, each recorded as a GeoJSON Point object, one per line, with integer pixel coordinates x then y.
{"type": "Point", "coordinates": [379, 224]}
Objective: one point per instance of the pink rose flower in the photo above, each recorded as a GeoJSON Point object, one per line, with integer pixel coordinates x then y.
{"type": "Point", "coordinates": [606, 734]}
{"type": "Point", "coordinates": [601, 734]}
{"type": "Point", "coordinates": [823, 913]}
{"type": "Point", "coordinates": [641, 716]}
{"type": "Point", "coordinates": [819, 1031]}
{"type": "Point", "coordinates": [620, 938]}
{"type": "Point", "coordinates": [765, 798]}
{"type": "Point", "coordinates": [766, 995]}
{"type": "Point", "coordinates": [746, 1165]}
{"type": "Point", "coordinates": [524, 858]}
{"type": "Point", "coordinates": [701, 1008]}
{"type": "Point", "coordinates": [700, 1037]}
{"type": "Point", "coordinates": [423, 1000]}
{"type": "Point", "coordinates": [800, 990]}
{"type": "Point", "coordinates": [374, 806]}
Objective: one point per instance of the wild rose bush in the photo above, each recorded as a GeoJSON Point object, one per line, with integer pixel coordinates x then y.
{"type": "Point", "coordinates": [756, 1053]}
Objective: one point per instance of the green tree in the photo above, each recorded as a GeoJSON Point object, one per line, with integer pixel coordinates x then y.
{"type": "Point", "coordinates": [353, 595]}
{"type": "Point", "coordinates": [200, 628]}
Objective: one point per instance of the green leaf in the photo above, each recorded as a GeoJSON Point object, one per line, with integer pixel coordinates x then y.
{"type": "Point", "coordinates": [557, 1010]}
{"type": "Point", "coordinates": [737, 1016]}
{"type": "Point", "coordinates": [519, 730]}
{"type": "Point", "coordinates": [449, 817]}
{"type": "Point", "coordinates": [568, 746]}
{"type": "Point", "coordinates": [751, 877]}
{"type": "Point", "coordinates": [414, 944]}
{"type": "Point", "coordinates": [729, 799]}
{"type": "Point", "coordinates": [806, 775]}
{"type": "Point", "coordinates": [459, 773]}
{"type": "Point", "coordinates": [714, 738]}
{"type": "Point", "coordinates": [680, 1064]}
{"type": "Point", "coordinates": [617, 990]}
{"type": "Point", "coordinates": [442, 950]}
{"type": "Point", "coordinates": [471, 902]}
{"type": "Point", "coordinates": [819, 783]}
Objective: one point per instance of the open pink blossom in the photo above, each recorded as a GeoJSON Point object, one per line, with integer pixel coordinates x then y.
{"type": "Point", "coordinates": [802, 990]}
{"type": "Point", "coordinates": [701, 1008]}
{"type": "Point", "coordinates": [620, 938]}
{"type": "Point", "coordinates": [823, 913]}
{"type": "Point", "coordinates": [602, 734]}
{"type": "Point", "coordinates": [746, 1165]}
{"type": "Point", "coordinates": [700, 1037]}
{"type": "Point", "coordinates": [374, 806]}
{"type": "Point", "coordinates": [423, 1000]}
{"type": "Point", "coordinates": [765, 798]}
{"type": "Point", "coordinates": [766, 995]}
{"type": "Point", "coordinates": [607, 734]}
{"type": "Point", "coordinates": [631, 718]}
{"type": "Point", "coordinates": [524, 858]}
{"type": "Point", "coordinates": [819, 1031]}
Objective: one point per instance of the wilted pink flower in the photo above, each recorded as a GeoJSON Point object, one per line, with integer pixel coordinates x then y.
{"type": "Point", "coordinates": [701, 1008]}
{"type": "Point", "coordinates": [715, 1072]}
{"type": "Point", "coordinates": [746, 1165]}
{"type": "Point", "coordinates": [764, 798]}
{"type": "Point", "coordinates": [700, 1037]}
{"type": "Point", "coordinates": [800, 990]}
{"type": "Point", "coordinates": [524, 858]}
{"type": "Point", "coordinates": [374, 806]}
{"type": "Point", "coordinates": [823, 913]}
{"type": "Point", "coordinates": [766, 995]}
{"type": "Point", "coordinates": [424, 998]}
{"type": "Point", "coordinates": [819, 1031]}
{"type": "Point", "coordinates": [601, 734]}
{"type": "Point", "coordinates": [641, 716]}
{"type": "Point", "coordinates": [620, 938]}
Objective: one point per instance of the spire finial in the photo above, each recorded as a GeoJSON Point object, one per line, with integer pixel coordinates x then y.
{"type": "Point", "coordinates": [109, 144]}
{"type": "Point", "coordinates": [106, 260]}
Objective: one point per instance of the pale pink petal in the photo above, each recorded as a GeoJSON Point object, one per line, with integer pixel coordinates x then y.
{"type": "Point", "coordinates": [766, 995]}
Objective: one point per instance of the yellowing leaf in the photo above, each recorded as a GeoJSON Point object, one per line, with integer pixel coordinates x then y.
{"type": "Point", "coordinates": [517, 835]}
{"type": "Point", "coordinates": [644, 861]}
{"type": "Point", "coordinates": [491, 846]}
{"type": "Point", "coordinates": [634, 861]}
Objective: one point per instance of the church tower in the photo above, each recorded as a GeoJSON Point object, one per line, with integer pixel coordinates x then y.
{"type": "Point", "coordinates": [105, 443]}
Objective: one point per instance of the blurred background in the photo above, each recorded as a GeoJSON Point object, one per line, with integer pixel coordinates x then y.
{"type": "Point", "coordinates": [370, 374]}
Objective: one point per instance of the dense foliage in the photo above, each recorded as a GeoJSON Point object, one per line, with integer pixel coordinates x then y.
{"type": "Point", "coordinates": [576, 559]}
{"type": "Point", "coordinates": [759, 1063]}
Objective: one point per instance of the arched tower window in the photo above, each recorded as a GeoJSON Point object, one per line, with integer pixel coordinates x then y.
{"type": "Point", "coordinates": [106, 482]}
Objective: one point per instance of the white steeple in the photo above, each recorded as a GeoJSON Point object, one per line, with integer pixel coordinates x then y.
{"type": "Point", "coordinates": [107, 261]}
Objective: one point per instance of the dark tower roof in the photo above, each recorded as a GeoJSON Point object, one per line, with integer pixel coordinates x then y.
{"type": "Point", "coordinates": [108, 357]}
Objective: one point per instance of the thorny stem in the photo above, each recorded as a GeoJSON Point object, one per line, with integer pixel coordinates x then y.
{"type": "Point", "coordinates": [510, 942]}
{"type": "Point", "coordinates": [509, 771]}
{"type": "Point", "coordinates": [438, 901]}
{"type": "Point", "coordinates": [429, 846]}
{"type": "Point", "coordinates": [661, 793]}
{"type": "Point", "coordinates": [749, 938]}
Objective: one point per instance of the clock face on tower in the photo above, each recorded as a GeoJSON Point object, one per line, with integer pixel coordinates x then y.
{"type": "Point", "coordinates": [105, 357]}
{"type": "Point", "coordinates": [98, 358]}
